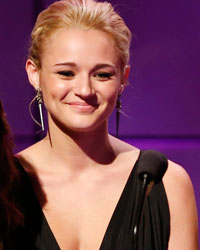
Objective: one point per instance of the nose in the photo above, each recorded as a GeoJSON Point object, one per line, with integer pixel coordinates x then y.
{"type": "Point", "coordinates": [83, 87]}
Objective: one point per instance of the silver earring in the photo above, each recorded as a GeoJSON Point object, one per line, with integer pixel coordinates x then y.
{"type": "Point", "coordinates": [118, 111]}
{"type": "Point", "coordinates": [39, 100]}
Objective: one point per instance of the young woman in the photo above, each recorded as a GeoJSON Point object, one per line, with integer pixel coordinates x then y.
{"type": "Point", "coordinates": [80, 185]}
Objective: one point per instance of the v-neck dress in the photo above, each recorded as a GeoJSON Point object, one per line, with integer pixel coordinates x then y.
{"type": "Point", "coordinates": [154, 229]}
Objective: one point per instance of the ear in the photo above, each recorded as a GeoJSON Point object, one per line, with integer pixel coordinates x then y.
{"type": "Point", "coordinates": [126, 73]}
{"type": "Point", "coordinates": [125, 76]}
{"type": "Point", "coordinates": [33, 74]}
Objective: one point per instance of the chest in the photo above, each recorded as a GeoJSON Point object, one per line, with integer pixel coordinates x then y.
{"type": "Point", "coordinates": [79, 211]}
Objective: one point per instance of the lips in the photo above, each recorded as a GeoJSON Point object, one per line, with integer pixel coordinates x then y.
{"type": "Point", "coordinates": [82, 106]}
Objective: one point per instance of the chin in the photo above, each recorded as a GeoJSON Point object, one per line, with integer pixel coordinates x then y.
{"type": "Point", "coordinates": [83, 129]}
{"type": "Point", "coordinates": [81, 125]}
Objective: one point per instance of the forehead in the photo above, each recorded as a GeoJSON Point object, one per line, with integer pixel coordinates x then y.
{"type": "Point", "coordinates": [81, 46]}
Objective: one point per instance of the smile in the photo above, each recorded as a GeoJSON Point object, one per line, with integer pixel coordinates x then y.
{"type": "Point", "coordinates": [82, 106]}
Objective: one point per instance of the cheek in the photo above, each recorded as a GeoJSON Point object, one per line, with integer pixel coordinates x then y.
{"type": "Point", "coordinates": [54, 88]}
{"type": "Point", "coordinates": [109, 95]}
{"type": "Point", "coordinates": [112, 97]}
{"type": "Point", "coordinates": [111, 91]}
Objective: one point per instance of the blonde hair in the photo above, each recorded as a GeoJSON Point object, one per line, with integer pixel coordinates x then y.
{"type": "Point", "coordinates": [84, 14]}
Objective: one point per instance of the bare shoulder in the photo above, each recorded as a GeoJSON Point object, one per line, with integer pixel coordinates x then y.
{"type": "Point", "coordinates": [120, 146]}
{"type": "Point", "coordinates": [182, 205]}
{"type": "Point", "coordinates": [178, 185]}
{"type": "Point", "coordinates": [31, 154]}
{"type": "Point", "coordinates": [177, 177]}
{"type": "Point", "coordinates": [30, 149]}
{"type": "Point", "coordinates": [126, 155]}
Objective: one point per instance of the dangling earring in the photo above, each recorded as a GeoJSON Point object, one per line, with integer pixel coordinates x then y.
{"type": "Point", "coordinates": [118, 111]}
{"type": "Point", "coordinates": [38, 98]}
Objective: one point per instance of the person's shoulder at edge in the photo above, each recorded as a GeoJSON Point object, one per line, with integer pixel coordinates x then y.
{"type": "Point", "coordinates": [121, 146]}
{"type": "Point", "coordinates": [182, 206]}
{"type": "Point", "coordinates": [31, 156]}
{"type": "Point", "coordinates": [181, 199]}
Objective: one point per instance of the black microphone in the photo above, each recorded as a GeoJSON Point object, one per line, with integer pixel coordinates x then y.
{"type": "Point", "coordinates": [151, 168]}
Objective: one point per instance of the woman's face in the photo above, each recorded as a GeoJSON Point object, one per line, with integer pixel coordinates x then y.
{"type": "Point", "coordinates": [80, 78]}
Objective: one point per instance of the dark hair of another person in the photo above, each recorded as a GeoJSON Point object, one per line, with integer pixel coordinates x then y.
{"type": "Point", "coordinates": [10, 215]}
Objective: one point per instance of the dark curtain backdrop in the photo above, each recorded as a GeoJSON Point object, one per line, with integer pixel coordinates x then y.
{"type": "Point", "coordinates": [161, 103]}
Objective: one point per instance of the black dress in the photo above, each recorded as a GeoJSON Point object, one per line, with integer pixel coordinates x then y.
{"type": "Point", "coordinates": [154, 229]}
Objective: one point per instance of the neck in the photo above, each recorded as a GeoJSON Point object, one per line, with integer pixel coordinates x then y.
{"type": "Point", "coordinates": [89, 148]}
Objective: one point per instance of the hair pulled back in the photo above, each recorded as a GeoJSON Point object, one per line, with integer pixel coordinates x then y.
{"type": "Point", "coordinates": [87, 14]}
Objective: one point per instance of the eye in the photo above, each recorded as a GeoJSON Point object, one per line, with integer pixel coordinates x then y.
{"type": "Point", "coordinates": [66, 73]}
{"type": "Point", "coordinates": [103, 75]}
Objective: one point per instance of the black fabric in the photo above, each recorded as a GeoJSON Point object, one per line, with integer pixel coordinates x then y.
{"type": "Point", "coordinates": [155, 225]}
{"type": "Point", "coordinates": [154, 229]}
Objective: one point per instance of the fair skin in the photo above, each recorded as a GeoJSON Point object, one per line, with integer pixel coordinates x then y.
{"type": "Point", "coordinates": [80, 79]}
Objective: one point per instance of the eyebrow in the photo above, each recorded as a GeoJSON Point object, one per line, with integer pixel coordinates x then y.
{"type": "Point", "coordinates": [103, 65]}
{"type": "Point", "coordinates": [96, 67]}
{"type": "Point", "coordinates": [66, 64]}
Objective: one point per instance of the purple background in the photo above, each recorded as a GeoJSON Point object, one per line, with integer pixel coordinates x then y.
{"type": "Point", "coordinates": [161, 103]}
